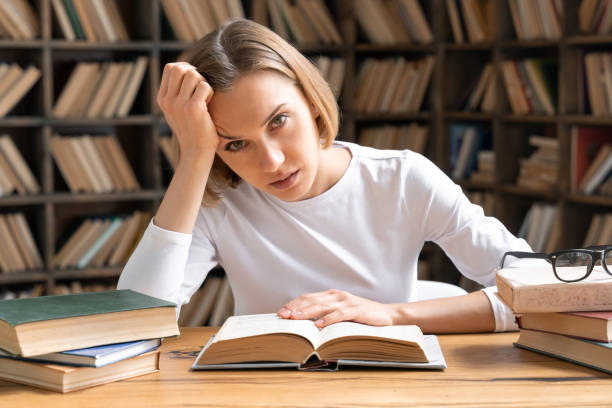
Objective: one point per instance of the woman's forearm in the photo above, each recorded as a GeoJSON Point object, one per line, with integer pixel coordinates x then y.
{"type": "Point", "coordinates": [179, 208]}
{"type": "Point", "coordinates": [469, 313]}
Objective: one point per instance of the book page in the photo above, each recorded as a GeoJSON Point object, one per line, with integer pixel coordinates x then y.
{"type": "Point", "coordinates": [254, 325]}
{"type": "Point", "coordinates": [344, 329]}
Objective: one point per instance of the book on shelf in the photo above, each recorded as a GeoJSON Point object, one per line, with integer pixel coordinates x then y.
{"type": "Point", "coordinates": [595, 17]}
{"type": "Point", "coordinates": [598, 75]}
{"type": "Point", "coordinates": [48, 324]}
{"type": "Point", "coordinates": [268, 341]}
{"type": "Point", "coordinates": [16, 174]}
{"type": "Point", "coordinates": [94, 21]}
{"type": "Point", "coordinates": [393, 22]}
{"type": "Point", "coordinates": [333, 70]}
{"type": "Point", "coordinates": [599, 231]}
{"type": "Point", "coordinates": [538, 225]}
{"type": "Point", "coordinates": [18, 20]}
{"type": "Point", "coordinates": [535, 289]}
{"type": "Point", "coordinates": [484, 199]}
{"type": "Point", "coordinates": [540, 171]}
{"type": "Point", "coordinates": [535, 20]}
{"type": "Point", "coordinates": [17, 88]}
{"type": "Point", "coordinates": [588, 325]}
{"type": "Point", "coordinates": [466, 140]}
{"type": "Point", "coordinates": [597, 355]}
{"type": "Point", "coordinates": [585, 143]}
{"type": "Point", "coordinates": [20, 251]}
{"type": "Point", "coordinates": [485, 167]}
{"type": "Point", "coordinates": [531, 85]}
{"type": "Point", "coordinates": [97, 356]}
{"type": "Point", "coordinates": [62, 378]}
{"type": "Point", "coordinates": [412, 137]}
{"type": "Point", "coordinates": [598, 171]}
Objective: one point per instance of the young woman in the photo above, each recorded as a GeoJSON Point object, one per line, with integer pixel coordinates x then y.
{"type": "Point", "coordinates": [303, 225]}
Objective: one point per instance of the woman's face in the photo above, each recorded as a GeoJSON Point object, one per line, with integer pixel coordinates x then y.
{"type": "Point", "coordinates": [268, 135]}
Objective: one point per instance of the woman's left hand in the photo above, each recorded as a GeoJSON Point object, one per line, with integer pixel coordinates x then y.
{"type": "Point", "coordinates": [333, 306]}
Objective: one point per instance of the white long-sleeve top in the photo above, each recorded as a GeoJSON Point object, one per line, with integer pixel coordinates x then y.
{"type": "Point", "coordinates": [363, 235]}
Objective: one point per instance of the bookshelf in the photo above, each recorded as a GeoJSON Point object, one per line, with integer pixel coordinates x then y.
{"type": "Point", "coordinates": [51, 213]}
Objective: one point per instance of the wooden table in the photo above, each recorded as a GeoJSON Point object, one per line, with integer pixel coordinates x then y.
{"type": "Point", "coordinates": [483, 370]}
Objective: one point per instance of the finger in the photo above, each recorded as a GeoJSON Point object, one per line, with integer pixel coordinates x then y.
{"type": "Point", "coordinates": [338, 315]}
{"type": "Point", "coordinates": [318, 309]}
{"type": "Point", "coordinates": [297, 304]}
{"type": "Point", "coordinates": [203, 92]}
{"type": "Point", "coordinates": [163, 88]}
{"type": "Point", "coordinates": [191, 79]}
{"type": "Point", "coordinates": [175, 80]}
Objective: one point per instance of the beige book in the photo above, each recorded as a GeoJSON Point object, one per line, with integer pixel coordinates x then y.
{"type": "Point", "coordinates": [366, 72]}
{"type": "Point", "coordinates": [127, 99]}
{"type": "Point", "coordinates": [79, 174]}
{"type": "Point", "coordinates": [13, 28]}
{"type": "Point", "coordinates": [402, 86]}
{"type": "Point", "coordinates": [28, 15]}
{"type": "Point", "coordinates": [368, 14]}
{"type": "Point", "coordinates": [379, 84]}
{"type": "Point", "coordinates": [96, 22]}
{"type": "Point", "coordinates": [6, 187]}
{"type": "Point", "coordinates": [219, 10]}
{"type": "Point", "coordinates": [418, 20]}
{"type": "Point", "coordinates": [513, 89]}
{"type": "Point", "coordinates": [22, 85]}
{"type": "Point", "coordinates": [306, 8]}
{"type": "Point", "coordinates": [19, 24]}
{"type": "Point", "coordinates": [188, 12]}
{"type": "Point", "coordinates": [4, 69]}
{"type": "Point", "coordinates": [88, 170]}
{"type": "Point", "coordinates": [600, 161]}
{"type": "Point", "coordinates": [121, 162]}
{"type": "Point", "coordinates": [110, 108]}
{"type": "Point", "coordinates": [537, 80]}
{"type": "Point", "coordinates": [97, 166]}
{"type": "Point", "coordinates": [101, 257]}
{"type": "Point", "coordinates": [22, 225]}
{"type": "Point", "coordinates": [60, 257]}
{"type": "Point", "coordinates": [426, 67]}
{"type": "Point", "coordinates": [108, 162]}
{"type": "Point", "coordinates": [391, 12]}
{"type": "Point", "coordinates": [67, 163]}
{"type": "Point", "coordinates": [490, 97]}
{"type": "Point", "coordinates": [176, 19]}
{"type": "Point", "coordinates": [411, 87]}
{"type": "Point", "coordinates": [116, 20]}
{"type": "Point", "coordinates": [83, 74]}
{"type": "Point", "coordinates": [85, 19]}
{"type": "Point", "coordinates": [516, 20]}
{"type": "Point", "coordinates": [4, 266]}
{"type": "Point", "coordinates": [235, 9]}
{"type": "Point", "coordinates": [606, 232]}
{"type": "Point", "coordinates": [102, 16]}
{"type": "Point", "coordinates": [308, 33]}
{"type": "Point", "coordinates": [87, 240]}
{"type": "Point", "coordinates": [593, 68]}
{"type": "Point", "coordinates": [13, 72]}
{"type": "Point", "coordinates": [88, 91]}
{"type": "Point", "coordinates": [64, 20]}
{"type": "Point", "coordinates": [8, 171]}
{"type": "Point", "coordinates": [204, 19]}
{"type": "Point", "coordinates": [393, 80]}
{"type": "Point", "coordinates": [480, 87]}
{"type": "Point", "coordinates": [7, 263]}
{"type": "Point", "coordinates": [124, 245]}
{"type": "Point", "coordinates": [108, 82]}
{"type": "Point", "coordinates": [18, 164]}
{"type": "Point", "coordinates": [276, 18]}
{"type": "Point", "coordinates": [15, 259]}
{"type": "Point", "coordinates": [455, 20]}
{"type": "Point", "coordinates": [595, 226]}
{"type": "Point", "coordinates": [19, 241]}
{"type": "Point", "coordinates": [294, 30]}
{"type": "Point", "coordinates": [536, 289]}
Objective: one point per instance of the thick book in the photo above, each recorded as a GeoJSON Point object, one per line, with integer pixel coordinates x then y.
{"type": "Point", "coordinates": [590, 325]}
{"type": "Point", "coordinates": [268, 341]}
{"type": "Point", "coordinates": [46, 324]}
{"type": "Point", "coordinates": [98, 356]}
{"type": "Point", "coordinates": [536, 289]}
{"type": "Point", "coordinates": [593, 354]}
{"type": "Point", "coordinates": [61, 378]}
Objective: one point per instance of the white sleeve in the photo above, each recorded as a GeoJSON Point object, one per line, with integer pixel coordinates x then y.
{"type": "Point", "coordinates": [504, 318]}
{"type": "Point", "coordinates": [475, 243]}
{"type": "Point", "coordinates": [169, 265]}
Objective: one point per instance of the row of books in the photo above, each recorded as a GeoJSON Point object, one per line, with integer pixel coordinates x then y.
{"type": "Point", "coordinates": [595, 16]}
{"type": "Point", "coordinates": [537, 19]}
{"type": "Point", "coordinates": [101, 89]}
{"type": "Point", "coordinates": [531, 85]}
{"type": "Point", "coordinates": [333, 70]}
{"type": "Point", "coordinates": [541, 227]}
{"type": "Point", "coordinates": [96, 21]}
{"type": "Point", "coordinates": [93, 164]}
{"type": "Point", "coordinates": [469, 20]}
{"type": "Point", "coordinates": [568, 321]}
{"type": "Point", "coordinates": [18, 21]}
{"type": "Point", "coordinates": [210, 305]}
{"type": "Point", "coordinates": [192, 19]}
{"type": "Point", "coordinates": [104, 241]}
{"type": "Point", "coordinates": [599, 231]}
{"type": "Point", "coordinates": [305, 22]}
{"type": "Point", "coordinates": [598, 73]}
{"type": "Point", "coordinates": [540, 171]}
{"type": "Point", "coordinates": [15, 83]}
{"type": "Point", "coordinates": [18, 251]}
{"type": "Point", "coordinates": [412, 137]}
{"type": "Point", "coordinates": [466, 140]}
{"type": "Point", "coordinates": [393, 22]}
{"type": "Point", "coordinates": [123, 334]}
{"type": "Point", "coordinates": [392, 84]}
{"type": "Point", "coordinates": [591, 160]}
{"type": "Point", "coordinates": [485, 168]}
{"type": "Point", "coordinates": [481, 94]}
{"type": "Point", "coordinates": [15, 174]}
{"type": "Point", "coordinates": [20, 293]}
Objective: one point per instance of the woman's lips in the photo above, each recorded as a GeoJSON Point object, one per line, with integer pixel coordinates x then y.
{"type": "Point", "coordinates": [285, 183]}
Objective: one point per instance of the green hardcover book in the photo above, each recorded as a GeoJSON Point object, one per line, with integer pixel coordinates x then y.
{"type": "Point", "coordinates": [47, 324]}
{"type": "Point", "coordinates": [74, 19]}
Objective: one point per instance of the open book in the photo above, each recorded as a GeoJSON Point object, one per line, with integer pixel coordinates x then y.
{"type": "Point", "coordinates": [268, 341]}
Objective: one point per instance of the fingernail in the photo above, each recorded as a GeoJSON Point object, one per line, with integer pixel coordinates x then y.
{"type": "Point", "coordinates": [284, 312]}
{"type": "Point", "coordinates": [296, 313]}
{"type": "Point", "coordinates": [319, 322]}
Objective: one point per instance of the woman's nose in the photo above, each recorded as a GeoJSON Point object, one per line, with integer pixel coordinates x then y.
{"type": "Point", "coordinates": [271, 157]}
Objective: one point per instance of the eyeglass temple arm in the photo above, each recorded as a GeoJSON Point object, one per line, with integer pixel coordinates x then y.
{"type": "Point", "coordinates": [518, 254]}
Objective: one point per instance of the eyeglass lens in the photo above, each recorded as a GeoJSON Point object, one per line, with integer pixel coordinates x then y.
{"type": "Point", "coordinates": [573, 266]}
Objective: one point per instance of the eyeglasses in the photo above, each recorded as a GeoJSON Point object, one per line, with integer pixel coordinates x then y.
{"type": "Point", "coordinates": [571, 265]}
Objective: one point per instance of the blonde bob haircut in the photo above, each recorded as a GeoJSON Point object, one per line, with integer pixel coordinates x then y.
{"type": "Point", "coordinates": [240, 47]}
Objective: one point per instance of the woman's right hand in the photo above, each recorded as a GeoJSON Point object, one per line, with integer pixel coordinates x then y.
{"type": "Point", "coordinates": [183, 98]}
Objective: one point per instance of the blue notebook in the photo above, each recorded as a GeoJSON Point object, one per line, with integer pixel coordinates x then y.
{"type": "Point", "coordinates": [98, 356]}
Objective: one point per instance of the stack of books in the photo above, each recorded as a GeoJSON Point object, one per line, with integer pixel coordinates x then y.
{"type": "Point", "coordinates": [15, 82]}
{"type": "Point", "coordinates": [70, 342]}
{"type": "Point", "coordinates": [540, 171]}
{"type": "Point", "coordinates": [92, 20]}
{"type": "Point", "coordinates": [485, 168]}
{"type": "Point", "coordinates": [531, 85]}
{"type": "Point", "coordinates": [570, 321]}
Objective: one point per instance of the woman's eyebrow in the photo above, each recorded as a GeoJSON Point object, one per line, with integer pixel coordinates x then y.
{"type": "Point", "coordinates": [268, 118]}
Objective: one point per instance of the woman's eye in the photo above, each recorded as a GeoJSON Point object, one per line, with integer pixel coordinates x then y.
{"type": "Point", "coordinates": [278, 121]}
{"type": "Point", "coordinates": [234, 146]}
